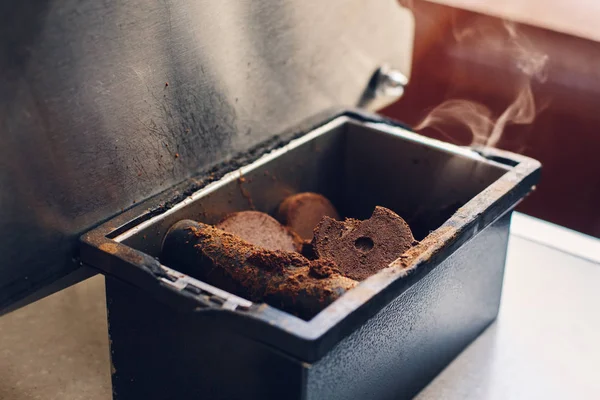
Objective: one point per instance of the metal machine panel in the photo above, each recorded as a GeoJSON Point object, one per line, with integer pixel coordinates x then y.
{"type": "Point", "coordinates": [106, 103]}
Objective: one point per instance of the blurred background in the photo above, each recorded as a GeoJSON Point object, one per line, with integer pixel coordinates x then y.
{"type": "Point", "coordinates": [475, 56]}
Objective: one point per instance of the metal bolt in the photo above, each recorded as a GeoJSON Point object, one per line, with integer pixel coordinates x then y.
{"type": "Point", "coordinates": [390, 82]}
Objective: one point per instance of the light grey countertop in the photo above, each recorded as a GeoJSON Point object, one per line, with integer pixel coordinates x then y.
{"type": "Point", "coordinates": [543, 345]}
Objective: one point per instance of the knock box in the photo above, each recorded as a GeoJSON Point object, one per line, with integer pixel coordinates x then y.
{"type": "Point", "coordinates": [218, 114]}
{"type": "Point", "coordinates": [173, 336]}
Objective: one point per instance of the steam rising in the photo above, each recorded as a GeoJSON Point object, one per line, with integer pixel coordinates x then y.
{"type": "Point", "coordinates": [476, 117]}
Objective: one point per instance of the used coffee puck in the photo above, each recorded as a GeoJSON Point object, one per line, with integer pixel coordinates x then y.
{"type": "Point", "coordinates": [362, 248]}
{"type": "Point", "coordinates": [261, 230]}
{"type": "Point", "coordinates": [303, 211]}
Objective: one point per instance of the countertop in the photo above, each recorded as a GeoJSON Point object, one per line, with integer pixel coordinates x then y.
{"type": "Point", "coordinates": [543, 345]}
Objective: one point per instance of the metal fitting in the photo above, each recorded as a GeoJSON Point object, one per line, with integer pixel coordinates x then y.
{"type": "Point", "coordinates": [389, 82]}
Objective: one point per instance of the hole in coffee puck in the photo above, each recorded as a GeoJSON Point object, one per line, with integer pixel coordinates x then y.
{"type": "Point", "coordinates": [364, 243]}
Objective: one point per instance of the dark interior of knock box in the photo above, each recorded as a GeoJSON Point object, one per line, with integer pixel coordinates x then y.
{"type": "Point", "coordinates": [357, 167]}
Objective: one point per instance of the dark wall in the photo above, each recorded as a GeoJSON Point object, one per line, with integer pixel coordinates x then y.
{"type": "Point", "coordinates": [565, 135]}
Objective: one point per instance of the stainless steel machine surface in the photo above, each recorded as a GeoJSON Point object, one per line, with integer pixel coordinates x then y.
{"type": "Point", "coordinates": [103, 104]}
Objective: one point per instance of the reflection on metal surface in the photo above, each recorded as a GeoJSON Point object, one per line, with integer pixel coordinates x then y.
{"type": "Point", "coordinates": [105, 104]}
{"type": "Point", "coordinates": [390, 82]}
{"type": "Point", "coordinates": [386, 85]}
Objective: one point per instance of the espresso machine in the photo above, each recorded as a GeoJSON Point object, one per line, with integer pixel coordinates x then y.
{"type": "Point", "coordinates": [119, 119]}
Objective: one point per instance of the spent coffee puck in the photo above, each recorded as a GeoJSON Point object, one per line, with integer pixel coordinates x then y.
{"type": "Point", "coordinates": [302, 212]}
{"type": "Point", "coordinates": [260, 229]}
{"type": "Point", "coordinates": [362, 248]}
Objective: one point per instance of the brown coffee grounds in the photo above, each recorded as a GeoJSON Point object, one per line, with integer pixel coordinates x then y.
{"type": "Point", "coordinates": [282, 279]}
{"type": "Point", "coordinates": [276, 260]}
{"type": "Point", "coordinates": [323, 268]}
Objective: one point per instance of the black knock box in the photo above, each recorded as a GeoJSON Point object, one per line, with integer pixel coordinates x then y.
{"type": "Point", "coordinates": [174, 337]}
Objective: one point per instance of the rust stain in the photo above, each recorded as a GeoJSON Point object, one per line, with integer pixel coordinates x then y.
{"type": "Point", "coordinates": [245, 192]}
{"type": "Point", "coordinates": [425, 249]}
{"type": "Point", "coordinates": [122, 251]}
{"type": "Point", "coordinates": [110, 247]}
